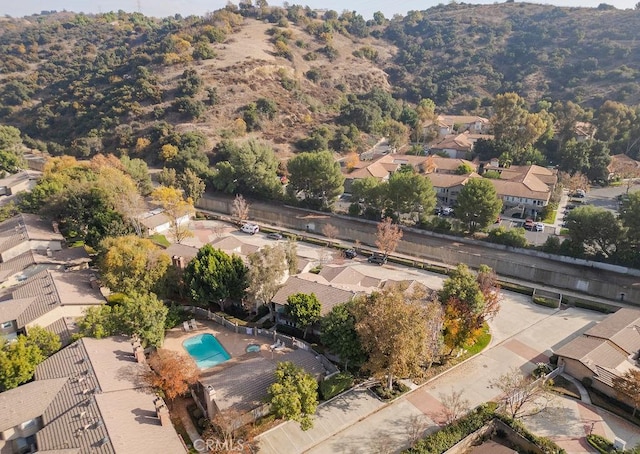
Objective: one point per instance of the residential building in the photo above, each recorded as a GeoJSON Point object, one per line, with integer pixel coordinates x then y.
{"type": "Point", "coordinates": [232, 245]}
{"type": "Point", "coordinates": [605, 351]}
{"type": "Point", "coordinates": [448, 186]}
{"type": "Point", "coordinates": [242, 387]}
{"type": "Point", "coordinates": [25, 232]}
{"type": "Point", "coordinates": [157, 222]}
{"type": "Point", "coordinates": [454, 146]}
{"type": "Point", "coordinates": [450, 124]}
{"type": "Point", "coordinates": [14, 184]}
{"type": "Point", "coordinates": [51, 299]}
{"type": "Point", "coordinates": [328, 296]}
{"type": "Point", "coordinates": [622, 166]}
{"type": "Point", "coordinates": [88, 398]}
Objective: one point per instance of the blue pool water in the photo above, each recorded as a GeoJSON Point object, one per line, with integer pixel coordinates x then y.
{"type": "Point", "coordinates": [206, 350]}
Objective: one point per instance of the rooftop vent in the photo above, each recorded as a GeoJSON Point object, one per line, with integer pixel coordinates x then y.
{"type": "Point", "coordinates": [103, 441]}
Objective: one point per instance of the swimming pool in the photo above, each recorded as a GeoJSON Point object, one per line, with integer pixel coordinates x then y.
{"type": "Point", "coordinates": [206, 350]}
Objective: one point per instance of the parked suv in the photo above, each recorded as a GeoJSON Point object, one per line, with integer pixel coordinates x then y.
{"type": "Point", "coordinates": [250, 228]}
{"type": "Point", "coordinates": [350, 253]}
{"type": "Point", "coordinates": [377, 258]}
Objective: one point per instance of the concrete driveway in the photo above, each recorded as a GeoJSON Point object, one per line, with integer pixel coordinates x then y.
{"type": "Point", "coordinates": [523, 334]}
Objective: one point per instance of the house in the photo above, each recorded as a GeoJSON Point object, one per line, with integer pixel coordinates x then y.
{"type": "Point", "coordinates": [232, 245]}
{"type": "Point", "coordinates": [450, 124]}
{"type": "Point", "coordinates": [88, 398]}
{"type": "Point", "coordinates": [343, 277]}
{"type": "Point", "coordinates": [25, 232]}
{"type": "Point", "coordinates": [439, 164]}
{"type": "Point", "coordinates": [50, 299]}
{"type": "Point", "coordinates": [622, 166]}
{"type": "Point", "coordinates": [242, 387]}
{"type": "Point", "coordinates": [524, 189]}
{"type": "Point", "coordinates": [380, 169]}
{"type": "Point", "coordinates": [157, 222]}
{"type": "Point", "coordinates": [605, 351]}
{"type": "Point", "coordinates": [181, 254]}
{"type": "Point", "coordinates": [448, 186]}
{"type": "Point", "coordinates": [14, 184]}
{"type": "Point", "coordinates": [328, 296]}
{"type": "Point", "coordinates": [454, 146]}
{"type": "Point", "coordinates": [583, 131]}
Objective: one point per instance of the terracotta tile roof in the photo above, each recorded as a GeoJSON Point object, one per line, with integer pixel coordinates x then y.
{"type": "Point", "coordinates": [327, 295]}
{"type": "Point", "coordinates": [446, 180]}
{"type": "Point", "coordinates": [61, 328]}
{"type": "Point", "coordinates": [27, 402]}
{"type": "Point", "coordinates": [592, 351]}
{"type": "Point", "coordinates": [459, 142]}
{"type": "Point", "coordinates": [451, 120]}
{"type": "Point", "coordinates": [244, 386]}
{"type": "Point", "coordinates": [182, 250]}
{"type": "Point", "coordinates": [622, 161]}
{"type": "Point", "coordinates": [450, 164]}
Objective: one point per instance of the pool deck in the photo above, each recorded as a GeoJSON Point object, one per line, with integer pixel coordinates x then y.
{"type": "Point", "coordinates": [234, 343]}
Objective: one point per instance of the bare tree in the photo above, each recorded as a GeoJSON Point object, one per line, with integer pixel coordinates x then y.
{"type": "Point", "coordinates": [574, 182]}
{"type": "Point", "coordinates": [218, 230]}
{"type": "Point", "coordinates": [240, 209]}
{"type": "Point", "coordinates": [628, 387]}
{"type": "Point", "coordinates": [416, 427]}
{"type": "Point", "coordinates": [267, 270]}
{"type": "Point", "coordinates": [388, 236]}
{"type": "Point", "coordinates": [453, 406]}
{"type": "Point", "coordinates": [330, 231]}
{"type": "Point", "coordinates": [520, 394]}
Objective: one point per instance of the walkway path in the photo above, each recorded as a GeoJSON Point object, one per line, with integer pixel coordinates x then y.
{"type": "Point", "coordinates": [584, 395]}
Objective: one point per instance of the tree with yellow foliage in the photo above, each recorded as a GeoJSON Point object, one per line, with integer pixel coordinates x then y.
{"type": "Point", "coordinates": [176, 207]}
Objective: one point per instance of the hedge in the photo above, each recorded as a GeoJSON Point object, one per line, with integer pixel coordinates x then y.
{"type": "Point", "coordinates": [545, 444]}
{"type": "Point", "coordinates": [591, 305]}
{"type": "Point", "coordinates": [444, 439]}
{"type": "Point", "coordinates": [333, 386]}
{"type": "Point", "coordinates": [548, 302]}
{"type": "Point", "coordinates": [601, 444]}
{"type": "Point", "coordinates": [516, 288]}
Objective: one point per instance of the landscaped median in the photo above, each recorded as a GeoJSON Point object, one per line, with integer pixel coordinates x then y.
{"type": "Point", "coordinates": [484, 422]}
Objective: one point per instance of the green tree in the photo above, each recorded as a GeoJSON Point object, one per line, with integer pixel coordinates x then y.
{"type": "Point", "coordinates": [596, 229]}
{"type": "Point", "coordinates": [215, 277]}
{"type": "Point", "coordinates": [136, 314]}
{"type": "Point", "coordinates": [18, 361]}
{"type": "Point", "coordinates": [370, 190]}
{"type": "Point", "coordinates": [478, 204]}
{"type": "Point", "coordinates": [11, 159]}
{"type": "Point", "coordinates": [464, 169]}
{"type": "Point", "coordinates": [394, 329]}
{"type": "Point", "coordinates": [47, 342]}
{"type": "Point", "coordinates": [130, 263]}
{"type": "Point", "coordinates": [513, 122]}
{"type": "Point", "coordinates": [628, 387]}
{"type": "Point", "coordinates": [304, 310]}
{"type": "Point", "coordinates": [339, 335]}
{"type": "Point", "coordinates": [192, 185]}
{"type": "Point", "coordinates": [139, 171]}
{"type": "Point", "coordinates": [317, 176]}
{"type": "Point", "coordinates": [267, 270]}
{"type": "Point", "coordinates": [294, 395]}
{"type": "Point", "coordinates": [142, 315]}
{"type": "Point", "coordinates": [409, 192]}
{"type": "Point", "coordinates": [462, 285]}
{"type": "Point", "coordinates": [630, 216]}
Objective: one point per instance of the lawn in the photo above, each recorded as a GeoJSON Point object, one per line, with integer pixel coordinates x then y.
{"type": "Point", "coordinates": [161, 240]}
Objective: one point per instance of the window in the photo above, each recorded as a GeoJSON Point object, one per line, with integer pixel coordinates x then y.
{"type": "Point", "coordinates": [6, 325]}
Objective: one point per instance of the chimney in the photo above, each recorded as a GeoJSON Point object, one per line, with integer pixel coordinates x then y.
{"type": "Point", "coordinates": [49, 252]}
{"type": "Point", "coordinates": [178, 261]}
{"type": "Point", "coordinates": [54, 224]}
{"type": "Point", "coordinates": [163, 414]}
{"type": "Point", "coordinates": [139, 354]}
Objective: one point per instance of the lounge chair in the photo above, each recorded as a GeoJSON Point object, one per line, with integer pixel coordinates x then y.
{"type": "Point", "coordinates": [192, 323]}
{"type": "Point", "coordinates": [276, 345]}
{"type": "Point", "coordinates": [185, 326]}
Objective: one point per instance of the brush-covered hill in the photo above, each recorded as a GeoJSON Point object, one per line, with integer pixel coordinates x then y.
{"type": "Point", "coordinates": [127, 83]}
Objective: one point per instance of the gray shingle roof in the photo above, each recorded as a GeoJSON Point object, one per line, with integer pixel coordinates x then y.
{"type": "Point", "coordinates": [327, 295]}
{"type": "Point", "coordinates": [621, 328]}
{"type": "Point", "coordinates": [103, 407]}
{"type": "Point", "coordinates": [50, 289]}
{"type": "Point", "coordinates": [18, 405]}
{"type": "Point", "coordinates": [244, 386]}
{"type": "Point", "coordinates": [25, 227]}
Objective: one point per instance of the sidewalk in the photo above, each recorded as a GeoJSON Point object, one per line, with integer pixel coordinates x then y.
{"type": "Point", "coordinates": [331, 417]}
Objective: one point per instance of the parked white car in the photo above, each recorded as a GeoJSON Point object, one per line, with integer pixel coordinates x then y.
{"type": "Point", "coordinates": [538, 227]}
{"type": "Point", "coordinates": [250, 228]}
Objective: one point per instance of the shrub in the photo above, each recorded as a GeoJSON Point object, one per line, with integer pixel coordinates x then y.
{"type": "Point", "coordinates": [508, 237]}
{"type": "Point", "coordinates": [385, 393]}
{"type": "Point", "coordinates": [603, 445]}
{"type": "Point", "coordinates": [548, 302]}
{"type": "Point", "coordinates": [335, 385]}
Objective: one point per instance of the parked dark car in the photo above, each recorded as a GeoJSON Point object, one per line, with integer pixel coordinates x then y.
{"type": "Point", "coordinates": [350, 253]}
{"type": "Point", "coordinates": [274, 236]}
{"type": "Point", "coordinates": [378, 259]}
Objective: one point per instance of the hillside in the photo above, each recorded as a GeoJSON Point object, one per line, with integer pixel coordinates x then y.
{"type": "Point", "coordinates": [81, 84]}
{"type": "Point", "coordinates": [459, 54]}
